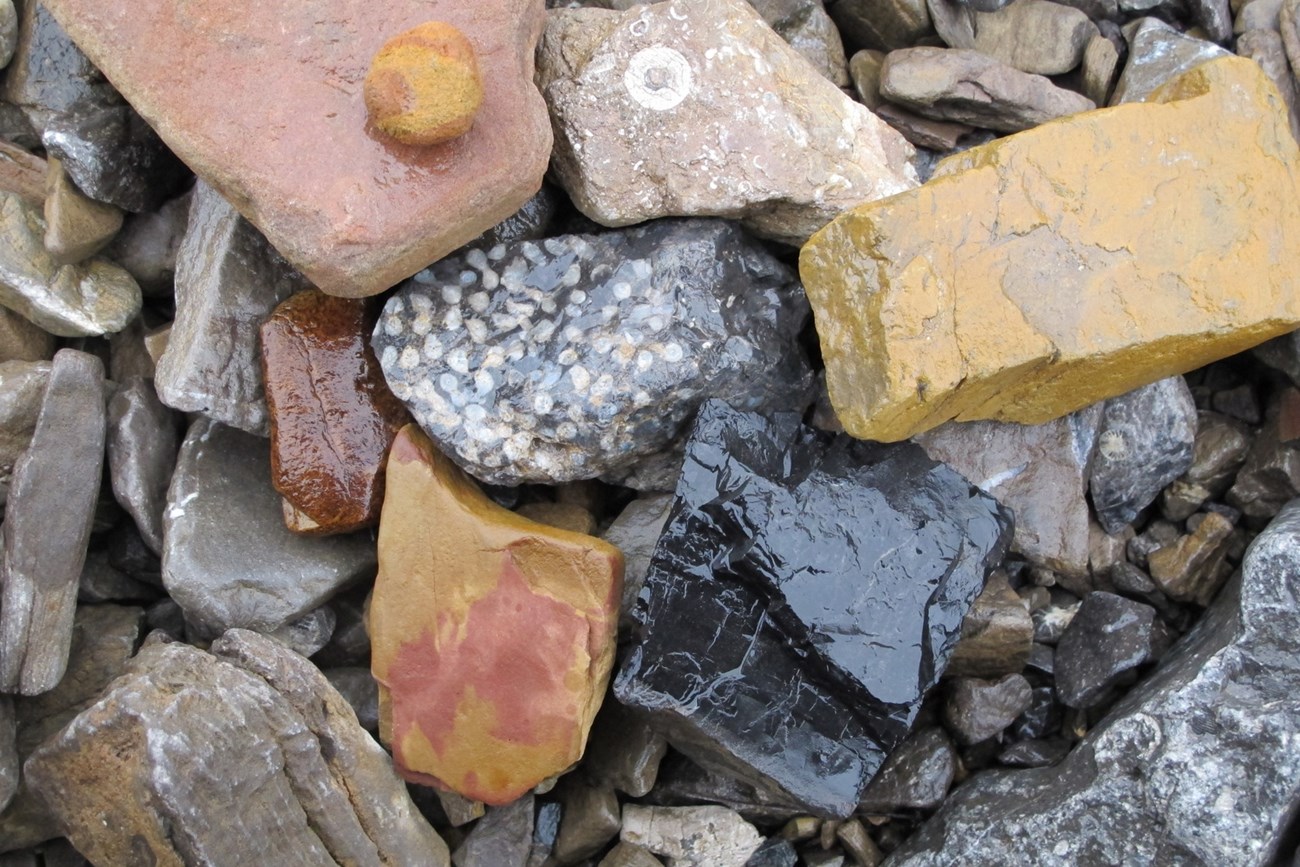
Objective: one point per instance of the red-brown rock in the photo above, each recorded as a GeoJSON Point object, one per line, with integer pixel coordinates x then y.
{"type": "Point", "coordinates": [492, 636]}
{"type": "Point", "coordinates": [265, 102]}
{"type": "Point", "coordinates": [332, 415]}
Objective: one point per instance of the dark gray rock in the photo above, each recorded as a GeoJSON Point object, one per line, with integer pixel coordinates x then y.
{"type": "Point", "coordinates": [1145, 442]}
{"type": "Point", "coordinates": [759, 648]}
{"type": "Point", "coordinates": [623, 750]}
{"type": "Point", "coordinates": [1109, 637]}
{"type": "Point", "coordinates": [128, 355]}
{"type": "Point", "coordinates": [917, 776]}
{"type": "Point", "coordinates": [1042, 718]}
{"type": "Point", "coordinates": [1214, 17]}
{"type": "Point", "coordinates": [357, 686]}
{"type": "Point", "coordinates": [227, 557]}
{"type": "Point", "coordinates": [582, 355]}
{"type": "Point", "coordinates": [590, 820]}
{"type": "Point", "coordinates": [143, 438]}
{"type": "Point", "coordinates": [503, 836]}
{"type": "Point", "coordinates": [148, 245]}
{"type": "Point", "coordinates": [531, 222]}
{"type": "Point", "coordinates": [635, 532]}
{"type": "Point", "coordinates": [1035, 753]}
{"type": "Point", "coordinates": [978, 709]}
{"type": "Point", "coordinates": [9, 762]}
{"type": "Point", "coordinates": [47, 525]}
{"type": "Point", "coordinates": [775, 852]}
{"type": "Point", "coordinates": [1270, 476]}
{"type": "Point", "coordinates": [681, 782]}
{"type": "Point", "coordinates": [1282, 353]}
{"type": "Point", "coordinates": [22, 386]}
{"type": "Point", "coordinates": [1198, 765]}
{"type": "Point", "coordinates": [1157, 53]}
{"type": "Point", "coordinates": [884, 25]}
{"type": "Point", "coordinates": [49, 75]}
{"type": "Point", "coordinates": [350, 643]}
{"type": "Point", "coordinates": [102, 582]}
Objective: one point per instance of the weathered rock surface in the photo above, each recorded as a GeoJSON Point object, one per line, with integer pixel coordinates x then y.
{"type": "Point", "coordinates": [590, 820]}
{"type": "Point", "coordinates": [143, 438]}
{"type": "Point", "coordinates": [585, 355]}
{"type": "Point", "coordinates": [1100, 69]}
{"type": "Point", "coordinates": [701, 109]}
{"type": "Point", "coordinates": [1270, 475]}
{"type": "Point", "coordinates": [354, 211]}
{"type": "Point", "coordinates": [997, 633]}
{"type": "Point", "coordinates": [691, 836]}
{"type": "Point", "coordinates": [470, 698]}
{"type": "Point", "coordinates": [1157, 54]}
{"type": "Point", "coordinates": [917, 775]}
{"type": "Point", "coordinates": [143, 774]}
{"type": "Point", "coordinates": [21, 340]}
{"type": "Point", "coordinates": [22, 386]}
{"type": "Point", "coordinates": [228, 280]}
{"type": "Point", "coordinates": [49, 74]}
{"type": "Point", "coordinates": [1108, 637]}
{"type": "Point", "coordinates": [8, 31]}
{"type": "Point", "coordinates": [970, 87]}
{"type": "Point", "coordinates": [1030, 35]}
{"type": "Point", "coordinates": [762, 647]}
{"type": "Point", "coordinates": [21, 173]}
{"type": "Point", "coordinates": [1265, 48]}
{"type": "Point", "coordinates": [76, 226]}
{"type": "Point", "coordinates": [1221, 447]}
{"type": "Point", "coordinates": [227, 557]}
{"type": "Point", "coordinates": [47, 525]}
{"type": "Point", "coordinates": [905, 351]}
{"type": "Point", "coordinates": [979, 709]}
{"type": "Point", "coordinates": [1196, 766]}
{"type": "Point", "coordinates": [332, 415]}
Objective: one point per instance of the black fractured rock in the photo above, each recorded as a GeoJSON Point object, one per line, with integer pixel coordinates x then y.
{"type": "Point", "coordinates": [1108, 637]}
{"type": "Point", "coordinates": [806, 593]}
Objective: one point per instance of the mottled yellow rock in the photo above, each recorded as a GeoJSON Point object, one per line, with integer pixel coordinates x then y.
{"type": "Point", "coordinates": [1066, 264]}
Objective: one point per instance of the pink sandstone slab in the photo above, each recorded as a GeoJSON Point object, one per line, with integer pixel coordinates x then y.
{"type": "Point", "coordinates": [264, 101]}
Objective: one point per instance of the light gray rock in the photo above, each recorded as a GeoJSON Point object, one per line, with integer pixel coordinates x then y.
{"type": "Point", "coordinates": [1257, 15]}
{"type": "Point", "coordinates": [1197, 766]}
{"type": "Point", "coordinates": [864, 68]}
{"type": "Point", "coordinates": [227, 557]}
{"type": "Point", "coordinates": [22, 386]}
{"type": "Point", "coordinates": [691, 836]}
{"type": "Point", "coordinates": [881, 24]}
{"type": "Point", "coordinates": [1156, 54]}
{"type": "Point", "coordinates": [698, 108]}
{"type": "Point", "coordinates": [1265, 47]}
{"type": "Point", "coordinates": [143, 438]}
{"type": "Point", "coordinates": [1035, 36]}
{"type": "Point", "coordinates": [635, 532]}
{"type": "Point", "coordinates": [47, 525]}
{"type": "Point", "coordinates": [22, 340]}
{"type": "Point", "coordinates": [228, 280]}
{"type": "Point", "coordinates": [8, 31]}
{"type": "Point", "coordinates": [1100, 69]}
{"type": "Point", "coordinates": [503, 836]}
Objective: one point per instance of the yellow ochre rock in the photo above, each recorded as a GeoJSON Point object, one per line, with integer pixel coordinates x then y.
{"type": "Point", "coordinates": [423, 86]}
{"type": "Point", "coordinates": [1070, 263]}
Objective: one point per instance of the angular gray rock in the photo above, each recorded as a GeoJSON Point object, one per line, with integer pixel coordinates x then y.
{"type": "Point", "coordinates": [1146, 441]}
{"type": "Point", "coordinates": [309, 633]}
{"type": "Point", "coordinates": [357, 686]}
{"type": "Point", "coordinates": [1265, 47]}
{"type": "Point", "coordinates": [228, 280]}
{"type": "Point", "coordinates": [1108, 637]}
{"type": "Point", "coordinates": [1156, 54]}
{"type": "Point", "coordinates": [590, 819]}
{"type": "Point", "coordinates": [148, 244]}
{"type": "Point", "coordinates": [916, 777]}
{"type": "Point", "coordinates": [22, 386]}
{"type": "Point", "coordinates": [623, 751]}
{"type": "Point", "coordinates": [47, 525]}
{"type": "Point", "coordinates": [1035, 36]}
{"type": "Point", "coordinates": [635, 532]}
{"type": "Point", "coordinates": [143, 438]}
{"type": "Point", "coordinates": [503, 836]}
{"type": "Point", "coordinates": [691, 836]}
{"type": "Point", "coordinates": [227, 557]}
{"type": "Point", "coordinates": [49, 74]}
{"type": "Point", "coordinates": [997, 633]}
{"type": "Point", "coordinates": [1198, 765]}
{"type": "Point", "coordinates": [1270, 475]}
{"type": "Point", "coordinates": [698, 108]}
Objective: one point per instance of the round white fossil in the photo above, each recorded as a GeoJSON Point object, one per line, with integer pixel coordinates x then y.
{"type": "Point", "coordinates": [658, 78]}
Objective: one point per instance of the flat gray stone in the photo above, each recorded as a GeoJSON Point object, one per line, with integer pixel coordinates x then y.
{"type": "Point", "coordinates": [503, 836]}
{"type": "Point", "coordinates": [22, 386]}
{"type": "Point", "coordinates": [1156, 54]}
{"type": "Point", "coordinates": [143, 438]}
{"type": "Point", "coordinates": [1030, 35]}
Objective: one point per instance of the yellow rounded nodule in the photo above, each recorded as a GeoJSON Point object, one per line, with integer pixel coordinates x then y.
{"type": "Point", "coordinates": [423, 86]}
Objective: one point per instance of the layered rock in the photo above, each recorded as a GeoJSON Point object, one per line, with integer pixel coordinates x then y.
{"type": "Point", "coordinates": [355, 211]}
{"type": "Point", "coordinates": [700, 109]}
{"type": "Point", "coordinates": [1030, 35]}
{"type": "Point", "coordinates": [492, 636]}
{"type": "Point", "coordinates": [805, 594]}
{"type": "Point", "coordinates": [1049, 316]}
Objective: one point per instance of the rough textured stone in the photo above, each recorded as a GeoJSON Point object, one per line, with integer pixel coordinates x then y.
{"type": "Point", "coordinates": [21, 340]}
{"type": "Point", "coordinates": [591, 820]}
{"type": "Point", "coordinates": [76, 226]}
{"type": "Point", "coordinates": [89, 298]}
{"type": "Point", "coordinates": [996, 635]}
{"type": "Point", "coordinates": [970, 87]}
{"type": "Point", "coordinates": [917, 776]}
{"type": "Point", "coordinates": [587, 354]}
{"type": "Point", "coordinates": [700, 109]}
{"type": "Point", "coordinates": [145, 775]}
{"type": "Point", "coordinates": [624, 751]}
{"type": "Point", "coordinates": [881, 24]}
{"type": "Point", "coordinates": [1108, 637]}
{"type": "Point", "coordinates": [691, 836]}
{"type": "Point", "coordinates": [627, 855]}
{"type": "Point", "coordinates": [905, 351]}
{"type": "Point", "coordinates": [503, 836]}
{"type": "Point", "coordinates": [469, 698]}
{"type": "Point", "coordinates": [143, 438]}
{"type": "Point", "coordinates": [47, 525]}
{"type": "Point", "coordinates": [1265, 48]}
{"type": "Point", "coordinates": [1192, 568]}
{"type": "Point", "coordinates": [227, 557]}
{"type": "Point", "coordinates": [423, 86]}
{"type": "Point", "coordinates": [332, 415]}
{"type": "Point", "coordinates": [8, 31]}
{"type": "Point", "coordinates": [22, 386]}
{"type": "Point", "coordinates": [1146, 441]}
{"type": "Point", "coordinates": [1030, 35]}
{"type": "Point", "coordinates": [1100, 69]}
{"type": "Point", "coordinates": [819, 685]}
{"type": "Point", "coordinates": [864, 67]}
{"type": "Point", "coordinates": [774, 852]}
{"type": "Point", "coordinates": [228, 280]}
{"type": "Point", "coordinates": [1157, 54]}
{"type": "Point", "coordinates": [354, 211]}
{"type": "Point", "coordinates": [635, 532]}
{"type": "Point", "coordinates": [1197, 766]}
{"type": "Point", "coordinates": [1040, 472]}
{"type": "Point", "coordinates": [977, 709]}
{"type": "Point", "coordinates": [49, 74]}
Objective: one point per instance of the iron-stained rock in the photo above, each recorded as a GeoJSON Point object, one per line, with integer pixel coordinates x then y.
{"type": "Point", "coordinates": [143, 438]}
{"type": "Point", "coordinates": [997, 633]}
{"type": "Point", "coordinates": [1192, 569]}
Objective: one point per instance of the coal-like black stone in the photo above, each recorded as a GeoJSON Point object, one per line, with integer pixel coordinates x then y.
{"type": "Point", "coordinates": [805, 594]}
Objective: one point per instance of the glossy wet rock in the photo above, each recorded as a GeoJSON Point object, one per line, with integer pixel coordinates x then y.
{"type": "Point", "coordinates": [352, 209]}
{"type": "Point", "coordinates": [691, 836]}
{"type": "Point", "coordinates": [22, 386]}
{"type": "Point", "coordinates": [906, 351]}
{"type": "Point", "coordinates": [470, 699]}
{"type": "Point", "coordinates": [143, 438]}
{"type": "Point", "coordinates": [332, 415]}
{"type": "Point", "coordinates": [585, 355]}
{"type": "Point", "coordinates": [1108, 637]}
{"type": "Point", "coordinates": [801, 630]}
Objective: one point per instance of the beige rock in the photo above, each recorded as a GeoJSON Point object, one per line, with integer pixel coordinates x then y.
{"type": "Point", "coordinates": [1035, 36]}
{"type": "Point", "coordinates": [22, 173]}
{"type": "Point", "coordinates": [1189, 569]}
{"type": "Point", "coordinates": [1257, 15]}
{"type": "Point", "coordinates": [811, 32]}
{"type": "Point", "coordinates": [76, 226]}
{"type": "Point", "coordinates": [1100, 69]}
{"type": "Point", "coordinates": [20, 340]}
{"type": "Point", "coordinates": [864, 67]}
{"type": "Point", "coordinates": [997, 634]}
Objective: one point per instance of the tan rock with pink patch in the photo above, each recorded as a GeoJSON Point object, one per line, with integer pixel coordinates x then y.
{"type": "Point", "coordinates": [492, 635]}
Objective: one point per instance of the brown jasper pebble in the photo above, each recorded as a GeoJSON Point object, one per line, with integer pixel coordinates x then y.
{"type": "Point", "coordinates": [423, 86]}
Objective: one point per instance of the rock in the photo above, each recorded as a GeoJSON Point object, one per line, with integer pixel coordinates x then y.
{"type": "Point", "coordinates": [1270, 475]}
{"type": "Point", "coordinates": [355, 212]}
{"type": "Point", "coordinates": [143, 440]}
{"type": "Point", "coordinates": [916, 776]}
{"type": "Point", "coordinates": [459, 810]}
{"type": "Point", "coordinates": [1054, 617]}
{"type": "Point", "coordinates": [691, 836]}
{"type": "Point", "coordinates": [1040, 472]}
{"type": "Point", "coordinates": [1100, 69]}
{"type": "Point", "coordinates": [423, 86]}
{"type": "Point", "coordinates": [1221, 447]}
{"type": "Point", "coordinates": [565, 516]}
{"type": "Point", "coordinates": [1214, 17]}
{"type": "Point", "coordinates": [623, 752]}
{"type": "Point", "coordinates": [1257, 15]}
{"type": "Point", "coordinates": [864, 67]}
{"type": "Point", "coordinates": [1034, 753]}
{"type": "Point", "coordinates": [148, 244]}
{"type": "Point", "coordinates": [1240, 403]}
{"type": "Point", "coordinates": [1265, 48]}
{"type": "Point", "coordinates": [587, 354]}
{"type": "Point", "coordinates": [90, 298]}
{"type": "Point", "coordinates": [8, 32]}
{"type": "Point", "coordinates": [883, 25]}
{"type": "Point", "coordinates": [309, 633]}
{"type": "Point", "coordinates": [228, 280]}
{"type": "Point", "coordinates": [546, 827]}
{"type": "Point", "coordinates": [1105, 554]}
{"type": "Point", "coordinates": [978, 709]}
{"type": "Point", "coordinates": [101, 581]}
{"type": "Point", "coordinates": [805, 25]}
{"type": "Point", "coordinates": [128, 355]}
{"type": "Point", "coordinates": [332, 415]}
{"type": "Point", "coordinates": [47, 525]}
{"type": "Point", "coordinates": [502, 837]}
{"type": "Point", "coordinates": [447, 673]}
{"type": "Point", "coordinates": [863, 850]}
{"type": "Point", "coordinates": [681, 782]}
{"type": "Point", "coordinates": [22, 386]}
{"type": "Point", "coordinates": [151, 785]}
{"type": "Point", "coordinates": [997, 633]}
{"type": "Point", "coordinates": [590, 820]}
{"type": "Point", "coordinates": [627, 855]}
{"type": "Point", "coordinates": [800, 631]}
{"type": "Point", "coordinates": [1289, 27]}
{"type": "Point", "coordinates": [969, 87]}
{"type": "Point", "coordinates": [1192, 569]}
{"type": "Point", "coordinates": [1026, 355]}
{"type": "Point", "coordinates": [1157, 54]}
{"type": "Point", "coordinates": [1217, 718]}
{"type": "Point", "coordinates": [922, 131]}
{"type": "Point", "coordinates": [1108, 637]}
{"type": "Point", "coordinates": [700, 109]}
{"type": "Point", "coordinates": [9, 761]}
{"type": "Point", "coordinates": [76, 226]}
{"type": "Point", "coordinates": [20, 340]}
{"type": "Point", "coordinates": [359, 689]}
{"type": "Point", "coordinates": [1030, 35]}
{"type": "Point", "coordinates": [635, 532]}
{"type": "Point", "coordinates": [48, 74]}
{"type": "Point", "coordinates": [21, 173]}
{"type": "Point", "coordinates": [1146, 442]}
{"type": "Point", "coordinates": [227, 557]}
{"type": "Point", "coordinates": [774, 852]}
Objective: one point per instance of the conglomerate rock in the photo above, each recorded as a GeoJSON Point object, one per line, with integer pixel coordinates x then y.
{"type": "Point", "coordinates": [1052, 282]}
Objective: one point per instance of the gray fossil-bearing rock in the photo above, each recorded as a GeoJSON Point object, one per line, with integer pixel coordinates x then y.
{"type": "Point", "coordinates": [143, 438]}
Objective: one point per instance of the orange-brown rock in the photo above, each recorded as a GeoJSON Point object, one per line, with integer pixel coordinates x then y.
{"type": "Point", "coordinates": [1070, 263]}
{"type": "Point", "coordinates": [332, 415]}
{"type": "Point", "coordinates": [492, 636]}
{"type": "Point", "coordinates": [423, 86]}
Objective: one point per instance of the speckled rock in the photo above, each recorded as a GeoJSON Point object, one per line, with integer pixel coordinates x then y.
{"type": "Point", "coordinates": [584, 355]}
{"type": "Point", "coordinates": [1157, 53]}
{"type": "Point", "coordinates": [1108, 637]}
{"type": "Point", "coordinates": [470, 699]}
{"type": "Point", "coordinates": [143, 438]}
{"type": "Point", "coordinates": [697, 108]}
{"type": "Point", "coordinates": [1030, 35]}
{"type": "Point", "coordinates": [22, 386]}
{"type": "Point", "coordinates": [691, 836]}
{"type": "Point", "coordinates": [905, 351]}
